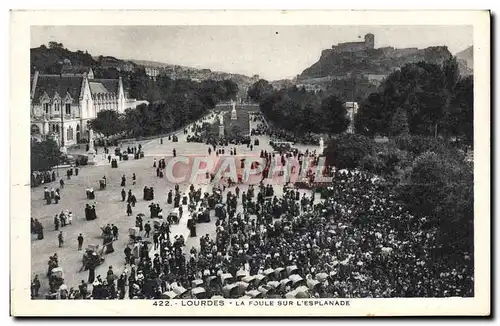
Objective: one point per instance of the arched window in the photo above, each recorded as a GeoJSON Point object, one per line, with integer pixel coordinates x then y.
{"type": "Point", "coordinates": [69, 135]}
{"type": "Point", "coordinates": [78, 127]}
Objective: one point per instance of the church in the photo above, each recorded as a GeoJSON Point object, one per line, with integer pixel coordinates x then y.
{"type": "Point", "coordinates": [63, 104]}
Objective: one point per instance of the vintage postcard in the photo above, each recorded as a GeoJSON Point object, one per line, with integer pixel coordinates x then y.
{"type": "Point", "coordinates": [250, 163]}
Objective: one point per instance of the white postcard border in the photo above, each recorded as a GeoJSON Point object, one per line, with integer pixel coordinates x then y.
{"type": "Point", "coordinates": [22, 305]}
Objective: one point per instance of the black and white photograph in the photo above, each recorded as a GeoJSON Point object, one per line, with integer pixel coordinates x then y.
{"type": "Point", "coordinates": [253, 166]}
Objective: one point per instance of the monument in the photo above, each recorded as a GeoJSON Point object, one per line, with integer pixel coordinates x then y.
{"type": "Point", "coordinates": [233, 112]}
{"type": "Point", "coordinates": [221, 125]}
{"type": "Point", "coordinates": [321, 146]}
{"type": "Point", "coordinates": [91, 151]}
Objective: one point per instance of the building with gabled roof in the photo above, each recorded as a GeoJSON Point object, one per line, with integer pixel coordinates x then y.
{"type": "Point", "coordinates": [62, 105]}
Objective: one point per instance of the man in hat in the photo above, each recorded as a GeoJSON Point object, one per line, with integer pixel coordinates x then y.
{"type": "Point", "coordinates": [147, 229]}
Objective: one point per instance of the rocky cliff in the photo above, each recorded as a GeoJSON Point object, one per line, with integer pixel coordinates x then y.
{"type": "Point", "coordinates": [381, 61]}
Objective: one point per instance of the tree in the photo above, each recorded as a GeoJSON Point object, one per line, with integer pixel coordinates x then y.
{"type": "Point", "coordinates": [399, 124]}
{"type": "Point", "coordinates": [334, 115]}
{"type": "Point", "coordinates": [441, 189]}
{"type": "Point", "coordinates": [44, 155]}
{"type": "Point", "coordinates": [371, 117]}
{"type": "Point", "coordinates": [258, 89]}
{"type": "Point", "coordinates": [347, 151]}
{"type": "Point", "coordinates": [55, 45]}
{"type": "Point", "coordinates": [235, 131]}
{"type": "Point", "coordinates": [231, 89]}
{"type": "Point", "coordinates": [107, 122]}
{"type": "Point", "coordinates": [460, 115]}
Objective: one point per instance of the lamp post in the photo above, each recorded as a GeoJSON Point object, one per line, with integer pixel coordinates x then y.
{"type": "Point", "coordinates": [63, 148]}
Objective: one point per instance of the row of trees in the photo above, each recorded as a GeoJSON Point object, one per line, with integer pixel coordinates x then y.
{"type": "Point", "coordinates": [172, 105]}
{"type": "Point", "coordinates": [295, 109]}
{"type": "Point", "coordinates": [420, 99]}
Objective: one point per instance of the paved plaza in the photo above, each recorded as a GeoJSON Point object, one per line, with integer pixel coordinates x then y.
{"type": "Point", "coordinates": [111, 210]}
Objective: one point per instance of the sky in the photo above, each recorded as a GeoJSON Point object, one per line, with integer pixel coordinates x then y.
{"type": "Point", "coordinates": [272, 52]}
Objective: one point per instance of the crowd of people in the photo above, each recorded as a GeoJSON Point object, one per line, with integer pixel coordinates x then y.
{"type": "Point", "coordinates": [355, 242]}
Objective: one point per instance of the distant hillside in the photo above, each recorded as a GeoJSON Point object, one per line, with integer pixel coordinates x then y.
{"type": "Point", "coordinates": [151, 63]}
{"type": "Point", "coordinates": [380, 61]}
{"type": "Point", "coordinates": [51, 59]}
{"type": "Point", "coordinates": [467, 55]}
{"type": "Point", "coordinates": [465, 59]}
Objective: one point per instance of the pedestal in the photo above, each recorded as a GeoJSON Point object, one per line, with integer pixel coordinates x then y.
{"type": "Point", "coordinates": [91, 157]}
{"type": "Point", "coordinates": [221, 131]}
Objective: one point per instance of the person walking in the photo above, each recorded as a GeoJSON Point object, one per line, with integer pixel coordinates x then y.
{"type": "Point", "coordinates": [35, 287]}
{"type": "Point", "coordinates": [56, 222]}
{"type": "Point", "coordinates": [60, 238]}
{"type": "Point", "coordinates": [147, 229]}
{"type": "Point", "coordinates": [114, 228]}
{"type": "Point", "coordinates": [129, 209]}
{"type": "Point", "coordinates": [80, 241]}
{"type": "Point", "coordinates": [124, 194]}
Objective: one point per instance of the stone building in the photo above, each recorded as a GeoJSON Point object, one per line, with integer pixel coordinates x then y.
{"type": "Point", "coordinates": [62, 105]}
{"type": "Point", "coordinates": [368, 44]}
{"type": "Point", "coordinates": [152, 72]}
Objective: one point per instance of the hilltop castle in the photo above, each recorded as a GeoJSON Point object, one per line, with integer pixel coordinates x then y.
{"type": "Point", "coordinates": [368, 44]}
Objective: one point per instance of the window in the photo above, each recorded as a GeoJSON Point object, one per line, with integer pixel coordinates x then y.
{"type": "Point", "coordinates": [69, 133]}
{"type": "Point", "coordinates": [56, 106]}
{"type": "Point", "coordinates": [46, 108]}
{"type": "Point", "coordinates": [68, 108]}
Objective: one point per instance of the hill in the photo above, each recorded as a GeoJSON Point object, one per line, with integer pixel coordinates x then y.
{"type": "Point", "coordinates": [381, 61]}
{"type": "Point", "coordinates": [465, 60]}
{"type": "Point", "coordinates": [51, 59]}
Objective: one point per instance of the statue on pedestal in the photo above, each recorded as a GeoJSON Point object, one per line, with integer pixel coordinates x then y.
{"type": "Point", "coordinates": [91, 151]}
{"type": "Point", "coordinates": [233, 112]}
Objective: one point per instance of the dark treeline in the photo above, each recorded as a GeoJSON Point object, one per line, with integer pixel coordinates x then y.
{"type": "Point", "coordinates": [421, 99]}
{"type": "Point", "coordinates": [299, 111]}
{"type": "Point", "coordinates": [172, 105]}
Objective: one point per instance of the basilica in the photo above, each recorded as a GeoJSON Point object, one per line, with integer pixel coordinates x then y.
{"type": "Point", "coordinates": [63, 104]}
